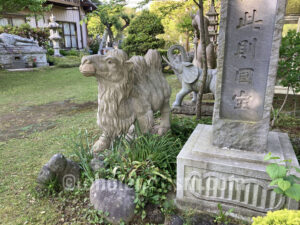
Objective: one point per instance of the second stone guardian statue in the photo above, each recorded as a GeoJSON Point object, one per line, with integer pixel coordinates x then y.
{"type": "Point", "coordinates": [128, 90]}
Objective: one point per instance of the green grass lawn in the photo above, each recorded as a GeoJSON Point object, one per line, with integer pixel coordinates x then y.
{"type": "Point", "coordinates": [22, 98]}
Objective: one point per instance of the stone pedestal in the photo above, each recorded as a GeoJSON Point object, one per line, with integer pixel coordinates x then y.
{"type": "Point", "coordinates": [208, 175]}
{"type": "Point", "coordinates": [17, 52]}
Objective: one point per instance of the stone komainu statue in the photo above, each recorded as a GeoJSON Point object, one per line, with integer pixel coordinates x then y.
{"type": "Point", "coordinates": [128, 90]}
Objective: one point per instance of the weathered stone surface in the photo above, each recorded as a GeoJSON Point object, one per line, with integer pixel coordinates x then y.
{"type": "Point", "coordinates": [129, 90]}
{"type": "Point", "coordinates": [154, 215]}
{"type": "Point", "coordinates": [17, 52]}
{"type": "Point", "coordinates": [115, 198]}
{"type": "Point", "coordinates": [207, 174]}
{"type": "Point", "coordinates": [201, 219]}
{"type": "Point", "coordinates": [249, 41]}
{"type": "Point", "coordinates": [96, 164]}
{"type": "Point", "coordinates": [174, 220]}
{"type": "Point", "coordinates": [64, 170]}
{"type": "Point", "coordinates": [189, 108]}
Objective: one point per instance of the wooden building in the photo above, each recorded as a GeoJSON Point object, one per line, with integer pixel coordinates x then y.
{"type": "Point", "coordinates": [68, 13]}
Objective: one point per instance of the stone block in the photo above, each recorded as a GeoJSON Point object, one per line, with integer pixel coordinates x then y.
{"type": "Point", "coordinates": [248, 52]}
{"type": "Point", "coordinates": [208, 175]}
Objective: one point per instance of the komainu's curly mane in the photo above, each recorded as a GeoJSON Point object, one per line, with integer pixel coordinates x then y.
{"type": "Point", "coordinates": [114, 114]}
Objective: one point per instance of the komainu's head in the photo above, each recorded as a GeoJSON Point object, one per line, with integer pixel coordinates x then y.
{"type": "Point", "coordinates": [113, 67]}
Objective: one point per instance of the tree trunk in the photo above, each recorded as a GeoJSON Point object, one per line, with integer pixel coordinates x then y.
{"type": "Point", "coordinates": [204, 60]}
{"type": "Point", "coordinates": [111, 37]}
{"type": "Point", "coordinates": [276, 115]}
{"type": "Point", "coordinates": [187, 42]}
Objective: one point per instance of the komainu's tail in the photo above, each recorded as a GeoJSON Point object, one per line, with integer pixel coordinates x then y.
{"type": "Point", "coordinates": [153, 60]}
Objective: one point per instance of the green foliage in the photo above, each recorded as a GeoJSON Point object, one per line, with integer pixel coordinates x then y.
{"type": "Point", "coordinates": [176, 19]}
{"type": "Point", "coordinates": [94, 46]}
{"type": "Point", "coordinates": [81, 145]}
{"type": "Point", "coordinates": [147, 163]}
{"type": "Point", "coordinates": [52, 187]}
{"type": "Point", "coordinates": [182, 127]}
{"type": "Point", "coordinates": [222, 217]}
{"type": "Point", "coordinates": [50, 51]}
{"type": "Point", "coordinates": [282, 180]}
{"type": "Point", "coordinates": [289, 63]}
{"type": "Point", "coordinates": [64, 62]}
{"type": "Point", "coordinates": [71, 52]}
{"type": "Point", "coordinates": [285, 216]}
{"type": "Point", "coordinates": [110, 16]}
{"type": "Point", "coordinates": [142, 34]}
{"type": "Point", "coordinates": [41, 35]}
{"type": "Point", "coordinates": [34, 6]}
{"type": "Point", "coordinates": [150, 183]}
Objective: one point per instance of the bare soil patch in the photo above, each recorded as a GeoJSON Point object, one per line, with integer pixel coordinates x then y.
{"type": "Point", "coordinates": [27, 120]}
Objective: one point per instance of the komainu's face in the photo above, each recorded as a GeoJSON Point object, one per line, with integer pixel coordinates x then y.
{"type": "Point", "coordinates": [87, 68]}
{"type": "Point", "coordinates": [107, 67]}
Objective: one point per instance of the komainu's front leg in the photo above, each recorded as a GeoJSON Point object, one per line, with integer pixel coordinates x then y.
{"type": "Point", "coordinates": [165, 123]}
{"type": "Point", "coordinates": [102, 144]}
{"type": "Point", "coordinates": [146, 121]}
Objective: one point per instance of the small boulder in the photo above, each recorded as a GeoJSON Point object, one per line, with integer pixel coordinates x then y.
{"type": "Point", "coordinates": [201, 219]}
{"type": "Point", "coordinates": [115, 198]}
{"type": "Point", "coordinates": [154, 215]}
{"type": "Point", "coordinates": [174, 220]}
{"type": "Point", "coordinates": [96, 164]}
{"type": "Point", "coordinates": [64, 170]}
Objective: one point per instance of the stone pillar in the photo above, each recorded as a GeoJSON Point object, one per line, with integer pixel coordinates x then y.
{"type": "Point", "coordinates": [224, 163]}
{"type": "Point", "coordinates": [251, 35]}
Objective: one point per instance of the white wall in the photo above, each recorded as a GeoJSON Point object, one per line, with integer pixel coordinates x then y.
{"type": "Point", "coordinates": [65, 14]}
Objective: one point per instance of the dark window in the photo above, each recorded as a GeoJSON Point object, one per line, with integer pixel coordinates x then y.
{"type": "Point", "coordinates": [69, 34]}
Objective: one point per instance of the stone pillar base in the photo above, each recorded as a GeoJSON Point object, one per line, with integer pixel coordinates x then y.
{"type": "Point", "coordinates": [208, 175]}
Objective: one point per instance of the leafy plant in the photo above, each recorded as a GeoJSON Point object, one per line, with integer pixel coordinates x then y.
{"type": "Point", "coordinates": [182, 127]}
{"type": "Point", "coordinates": [289, 67]}
{"type": "Point", "coordinates": [222, 217]}
{"type": "Point", "coordinates": [289, 62]}
{"type": "Point", "coordinates": [284, 182]}
{"type": "Point", "coordinates": [144, 164]}
{"type": "Point", "coordinates": [82, 149]}
{"type": "Point", "coordinates": [52, 187]}
{"type": "Point", "coordinates": [285, 216]}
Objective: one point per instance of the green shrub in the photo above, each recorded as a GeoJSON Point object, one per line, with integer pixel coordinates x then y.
{"type": "Point", "coordinates": [280, 217]}
{"type": "Point", "coordinates": [142, 34]}
{"type": "Point", "coordinates": [143, 164]}
{"type": "Point", "coordinates": [41, 35]}
{"type": "Point", "coordinates": [50, 51]}
{"type": "Point", "coordinates": [284, 182]}
{"type": "Point", "coordinates": [182, 127]}
{"type": "Point", "coordinates": [64, 62]}
{"type": "Point", "coordinates": [71, 52]}
{"type": "Point", "coordinates": [147, 163]}
{"type": "Point", "coordinates": [94, 46]}
{"type": "Point", "coordinates": [289, 62]}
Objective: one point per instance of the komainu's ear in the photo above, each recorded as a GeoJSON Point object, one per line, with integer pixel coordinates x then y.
{"type": "Point", "coordinates": [129, 65]}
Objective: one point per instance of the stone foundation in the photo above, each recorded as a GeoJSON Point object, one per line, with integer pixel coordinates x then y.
{"type": "Point", "coordinates": [208, 175]}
